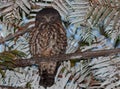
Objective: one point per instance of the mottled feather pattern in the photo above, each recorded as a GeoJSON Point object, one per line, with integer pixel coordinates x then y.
{"type": "Point", "coordinates": [52, 41]}
{"type": "Point", "coordinates": [48, 38]}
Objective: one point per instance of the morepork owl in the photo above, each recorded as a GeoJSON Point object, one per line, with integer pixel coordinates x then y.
{"type": "Point", "coordinates": [48, 38]}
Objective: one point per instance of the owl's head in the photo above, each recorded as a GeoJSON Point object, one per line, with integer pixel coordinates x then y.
{"type": "Point", "coordinates": [47, 15]}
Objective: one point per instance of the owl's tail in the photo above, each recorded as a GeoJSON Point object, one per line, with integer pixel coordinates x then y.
{"type": "Point", "coordinates": [46, 79]}
{"type": "Point", "coordinates": [47, 73]}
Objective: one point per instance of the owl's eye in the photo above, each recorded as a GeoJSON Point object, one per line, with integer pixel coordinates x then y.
{"type": "Point", "coordinates": [42, 19]}
{"type": "Point", "coordinates": [53, 18]}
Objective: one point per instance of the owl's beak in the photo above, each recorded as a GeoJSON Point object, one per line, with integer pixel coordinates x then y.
{"type": "Point", "coordinates": [48, 21]}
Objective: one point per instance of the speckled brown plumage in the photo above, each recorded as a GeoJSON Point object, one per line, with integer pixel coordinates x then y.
{"type": "Point", "coordinates": [48, 38]}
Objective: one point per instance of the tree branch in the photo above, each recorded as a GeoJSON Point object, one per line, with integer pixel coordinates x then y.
{"type": "Point", "coordinates": [21, 31]}
{"type": "Point", "coordinates": [63, 57]}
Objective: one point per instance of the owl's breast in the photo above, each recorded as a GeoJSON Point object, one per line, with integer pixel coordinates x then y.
{"type": "Point", "coordinates": [48, 42]}
{"type": "Point", "coordinates": [49, 46]}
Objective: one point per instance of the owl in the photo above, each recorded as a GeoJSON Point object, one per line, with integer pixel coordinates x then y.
{"type": "Point", "coordinates": [47, 39]}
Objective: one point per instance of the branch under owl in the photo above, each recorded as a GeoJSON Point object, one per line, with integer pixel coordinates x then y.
{"type": "Point", "coordinates": [64, 57]}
